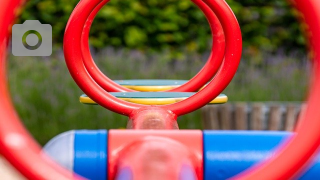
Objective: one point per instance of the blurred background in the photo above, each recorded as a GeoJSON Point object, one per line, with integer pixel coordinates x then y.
{"type": "Point", "coordinates": [152, 39]}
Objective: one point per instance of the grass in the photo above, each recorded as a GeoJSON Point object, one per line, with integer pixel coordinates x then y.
{"type": "Point", "coordinates": [46, 97]}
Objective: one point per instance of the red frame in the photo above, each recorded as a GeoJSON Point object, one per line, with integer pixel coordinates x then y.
{"type": "Point", "coordinates": [199, 80]}
{"type": "Point", "coordinates": [25, 153]}
{"type": "Point", "coordinates": [72, 51]}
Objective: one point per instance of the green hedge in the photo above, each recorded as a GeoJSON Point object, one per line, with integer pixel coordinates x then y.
{"type": "Point", "coordinates": [172, 24]}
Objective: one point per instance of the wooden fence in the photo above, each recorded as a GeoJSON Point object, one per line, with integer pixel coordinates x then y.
{"type": "Point", "coordinates": [278, 116]}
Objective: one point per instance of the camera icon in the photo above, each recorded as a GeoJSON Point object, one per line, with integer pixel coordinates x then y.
{"type": "Point", "coordinates": [31, 39]}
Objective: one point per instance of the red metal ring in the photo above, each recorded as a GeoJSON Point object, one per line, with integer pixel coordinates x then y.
{"type": "Point", "coordinates": [73, 56]}
{"type": "Point", "coordinates": [16, 144]}
{"type": "Point", "coordinates": [72, 49]}
{"type": "Point", "coordinates": [199, 80]}
{"type": "Point", "coordinates": [295, 152]}
{"type": "Point", "coordinates": [229, 66]}
{"type": "Point", "coordinates": [24, 153]}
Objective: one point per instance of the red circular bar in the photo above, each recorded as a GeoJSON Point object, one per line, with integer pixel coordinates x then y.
{"type": "Point", "coordinates": [229, 66]}
{"type": "Point", "coordinates": [299, 149]}
{"type": "Point", "coordinates": [73, 56]}
{"type": "Point", "coordinates": [72, 49]}
{"type": "Point", "coordinates": [98, 76]}
{"type": "Point", "coordinates": [16, 144]}
{"type": "Point", "coordinates": [216, 57]}
{"type": "Point", "coordinates": [199, 80]}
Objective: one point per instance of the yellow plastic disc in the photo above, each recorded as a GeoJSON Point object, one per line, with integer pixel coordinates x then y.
{"type": "Point", "coordinates": [153, 98]}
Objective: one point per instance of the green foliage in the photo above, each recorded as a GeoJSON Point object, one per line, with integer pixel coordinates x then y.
{"type": "Point", "coordinates": [170, 24]}
{"type": "Point", "coordinates": [267, 26]}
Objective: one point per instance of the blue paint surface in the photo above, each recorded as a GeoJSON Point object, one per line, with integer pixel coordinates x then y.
{"type": "Point", "coordinates": [227, 153]}
{"type": "Point", "coordinates": [90, 154]}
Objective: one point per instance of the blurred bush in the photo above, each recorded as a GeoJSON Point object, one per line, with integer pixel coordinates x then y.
{"type": "Point", "coordinates": [171, 24]}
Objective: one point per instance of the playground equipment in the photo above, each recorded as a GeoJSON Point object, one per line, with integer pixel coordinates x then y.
{"type": "Point", "coordinates": [168, 154]}
{"type": "Point", "coordinates": [154, 98]}
{"type": "Point", "coordinates": [150, 85]}
{"type": "Point", "coordinates": [207, 72]}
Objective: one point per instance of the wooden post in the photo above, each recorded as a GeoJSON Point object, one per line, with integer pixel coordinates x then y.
{"type": "Point", "coordinates": [235, 116]}
{"type": "Point", "coordinates": [240, 120]}
{"type": "Point", "coordinates": [256, 116]}
{"type": "Point", "coordinates": [290, 118]}
{"type": "Point", "coordinates": [210, 117]}
{"type": "Point", "coordinates": [225, 116]}
{"type": "Point", "coordinates": [274, 118]}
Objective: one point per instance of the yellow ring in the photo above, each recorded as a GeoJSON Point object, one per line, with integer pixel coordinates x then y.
{"type": "Point", "coordinates": [149, 88]}
{"type": "Point", "coordinates": [155, 101]}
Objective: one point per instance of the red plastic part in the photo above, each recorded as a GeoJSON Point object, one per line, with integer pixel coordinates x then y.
{"type": "Point", "coordinates": [150, 158]}
{"type": "Point", "coordinates": [152, 118]}
{"type": "Point", "coordinates": [73, 56]}
{"type": "Point", "coordinates": [16, 144]}
{"type": "Point", "coordinates": [205, 75]}
{"type": "Point", "coordinates": [229, 65]}
{"type": "Point", "coordinates": [72, 49]}
{"type": "Point", "coordinates": [295, 152]}
{"type": "Point", "coordinates": [121, 141]}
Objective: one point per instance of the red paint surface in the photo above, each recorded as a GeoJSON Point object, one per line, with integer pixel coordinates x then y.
{"type": "Point", "coordinates": [152, 118]}
{"type": "Point", "coordinates": [186, 144]}
{"type": "Point", "coordinates": [16, 144]}
{"type": "Point", "coordinates": [205, 75]}
{"type": "Point", "coordinates": [292, 155]}
{"type": "Point", "coordinates": [74, 59]}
